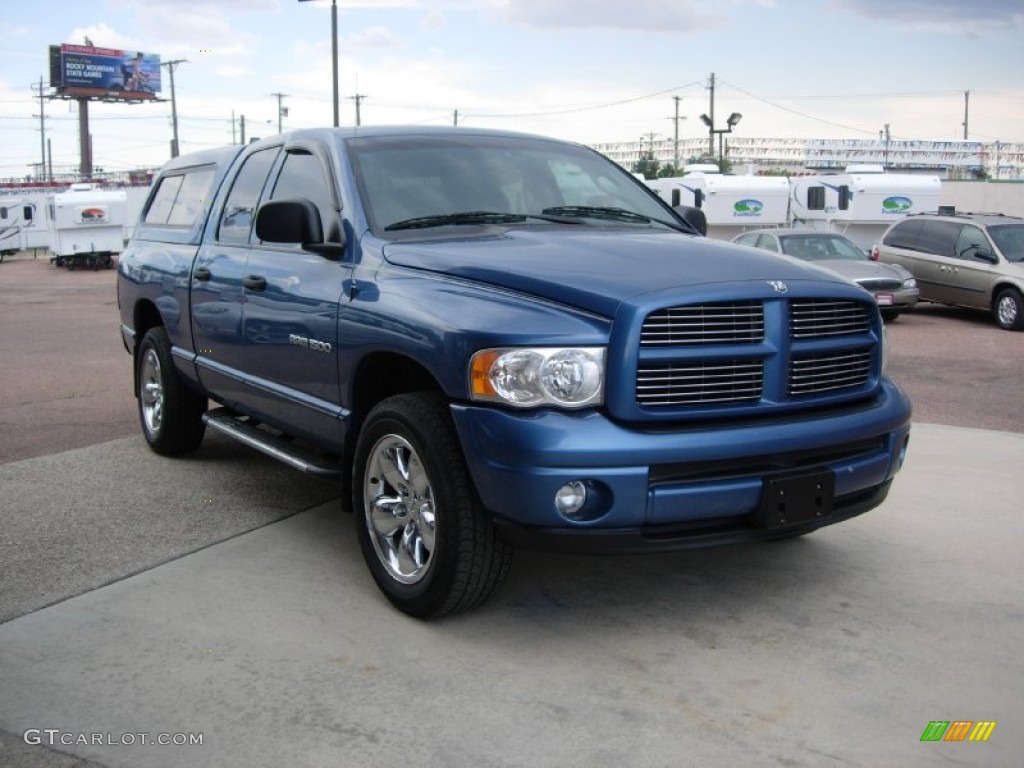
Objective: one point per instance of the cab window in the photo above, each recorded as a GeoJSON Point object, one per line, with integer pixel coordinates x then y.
{"type": "Point", "coordinates": [302, 175]}
{"type": "Point", "coordinates": [237, 217]}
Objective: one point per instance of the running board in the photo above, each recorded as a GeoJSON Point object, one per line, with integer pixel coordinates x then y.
{"type": "Point", "coordinates": [278, 448]}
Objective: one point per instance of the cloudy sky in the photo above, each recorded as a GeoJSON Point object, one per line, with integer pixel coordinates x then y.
{"type": "Point", "coordinates": [587, 70]}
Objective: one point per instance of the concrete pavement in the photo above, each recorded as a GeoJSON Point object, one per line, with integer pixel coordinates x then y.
{"type": "Point", "coordinates": [274, 645]}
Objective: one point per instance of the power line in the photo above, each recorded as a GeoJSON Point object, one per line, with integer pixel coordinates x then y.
{"type": "Point", "coordinates": [795, 111]}
{"type": "Point", "coordinates": [590, 106]}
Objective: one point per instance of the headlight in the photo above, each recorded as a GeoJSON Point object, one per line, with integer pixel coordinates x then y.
{"type": "Point", "coordinates": [526, 377]}
{"type": "Point", "coordinates": [910, 283]}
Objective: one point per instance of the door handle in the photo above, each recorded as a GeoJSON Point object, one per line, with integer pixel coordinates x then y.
{"type": "Point", "coordinates": [255, 282]}
{"type": "Point", "coordinates": [202, 273]}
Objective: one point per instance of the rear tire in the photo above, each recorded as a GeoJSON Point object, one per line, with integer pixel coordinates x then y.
{"type": "Point", "coordinates": [1009, 310]}
{"type": "Point", "coordinates": [170, 413]}
{"type": "Point", "coordinates": [426, 538]}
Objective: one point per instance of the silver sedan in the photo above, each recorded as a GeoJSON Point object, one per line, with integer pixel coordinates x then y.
{"type": "Point", "coordinates": [893, 287]}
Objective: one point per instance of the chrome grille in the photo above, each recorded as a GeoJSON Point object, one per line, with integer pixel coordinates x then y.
{"type": "Point", "coordinates": [880, 284]}
{"type": "Point", "coordinates": [733, 322]}
{"type": "Point", "coordinates": [810, 318]}
{"type": "Point", "coordinates": [826, 372]}
{"type": "Point", "coordinates": [700, 382]}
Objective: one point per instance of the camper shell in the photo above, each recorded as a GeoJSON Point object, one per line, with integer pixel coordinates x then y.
{"type": "Point", "coordinates": [862, 202]}
{"type": "Point", "coordinates": [87, 226]}
{"type": "Point", "coordinates": [732, 204]}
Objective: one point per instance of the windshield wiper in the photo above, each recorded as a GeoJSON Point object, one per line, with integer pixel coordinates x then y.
{"type": "Point", "coordinates": [614, 214]}
{"type": "Point", "coordinates": [472, 217]}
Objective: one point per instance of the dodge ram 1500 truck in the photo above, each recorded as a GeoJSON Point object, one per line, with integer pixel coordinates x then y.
{"type": "Point", "coordinates": [499, 340]}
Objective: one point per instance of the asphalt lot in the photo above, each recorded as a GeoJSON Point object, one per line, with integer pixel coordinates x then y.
{"type": "Point", "coordinates": [223, 594]}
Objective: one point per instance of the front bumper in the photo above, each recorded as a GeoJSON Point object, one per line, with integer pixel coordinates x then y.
{"type": "Point", "coordinates": [673, 488]}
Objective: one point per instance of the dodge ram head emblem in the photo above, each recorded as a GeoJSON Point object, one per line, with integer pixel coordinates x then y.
{"type": "Point", "coordinates": [778, 286]}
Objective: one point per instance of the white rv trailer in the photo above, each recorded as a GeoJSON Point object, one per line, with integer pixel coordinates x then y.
{"type": "Point", "coordinates": [22, 225]}
{"type": "Point", "coordinates": [732, 204]}
{"type": "Point", "coordinates": [860, 203]}
{"type": "Point", "coordinates": [87, 226]}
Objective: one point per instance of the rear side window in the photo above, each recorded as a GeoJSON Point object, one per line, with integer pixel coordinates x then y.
{"type": "Point", "coordinates": [939, 237]}
{"type": "Point", "coordinates": [906, 234]}
{"type": "Point", "coordinates": [180, 199]}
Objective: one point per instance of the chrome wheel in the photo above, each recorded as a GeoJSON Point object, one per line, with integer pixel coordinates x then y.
{"type": "Point", "coordinates": [1007, 310]}
{"type": "Point", "coordinates": [399, 508]}
{"type": "Point", "coordinates": [151, 392]}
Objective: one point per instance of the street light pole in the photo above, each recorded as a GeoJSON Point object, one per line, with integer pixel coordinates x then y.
{"type": "Point", "coordinates": [334, 56]}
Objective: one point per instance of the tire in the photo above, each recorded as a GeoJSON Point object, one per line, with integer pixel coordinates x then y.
{"type": "Point", "coordinates": [425, 536]}
{"type": "Point", "coordinates": [890, 314]}
{"type": "Point", "coordinates": [1009, 310]}
{"type": "Point", "coordinates": [170, 413]}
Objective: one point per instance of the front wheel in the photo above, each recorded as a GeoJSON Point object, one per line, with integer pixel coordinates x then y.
{"type": "Point", "coordinates": [1009, 310]}
{"type": "Point", "coordinates": [890, 314]}
{"type": "Point", "coordinates": [425, 536]}
{"type": "Point", "coordinates": [171, 414]}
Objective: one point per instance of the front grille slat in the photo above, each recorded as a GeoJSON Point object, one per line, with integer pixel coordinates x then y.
{"type": "Point", "coordinates": [820, 318]}
{"type": "Point", "coordinates": [700, 382]}
{"type": "Point", "coordinates": [733, 322]}
{"type": "Point", "coordinates": [828, 372]}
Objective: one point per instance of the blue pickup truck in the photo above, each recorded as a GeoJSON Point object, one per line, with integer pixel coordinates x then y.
{"type": "Point", "coordinates": [500, 341]}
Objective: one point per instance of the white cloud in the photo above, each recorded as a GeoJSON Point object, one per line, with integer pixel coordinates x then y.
{"type": "Point", "coordinates": [372, 38]}
{"type": "Point", "coordinates": [671, 16]}
{"type": "Point", "coordinates": [434, 21]}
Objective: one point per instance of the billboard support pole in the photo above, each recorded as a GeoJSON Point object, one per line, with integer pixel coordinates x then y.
{"type": "Point", "coordinates": [84, 144]}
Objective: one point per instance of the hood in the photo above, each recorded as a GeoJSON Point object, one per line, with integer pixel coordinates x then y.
{"type": "Point", "coordinates": [865, 270]}
{"type": "Point", "coordinates": [598, 269]}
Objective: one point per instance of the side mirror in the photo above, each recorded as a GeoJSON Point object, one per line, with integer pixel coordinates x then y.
{"type": "Point", "coordinates": [695, 217]}
{"type": "Point", "coordinates": [295, 221]}
{"type": "Point", "coordinates": [983, 254]}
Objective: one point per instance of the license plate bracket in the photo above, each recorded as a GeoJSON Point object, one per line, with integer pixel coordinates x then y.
{"type": "Point", "coordinates": [794, 499]}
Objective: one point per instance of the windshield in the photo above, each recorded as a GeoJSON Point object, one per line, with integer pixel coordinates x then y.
{"type": "Point", "coordinates": [821, 248]}
{"type": "Point", "coordinates": [416, 182]}
{"type": "Point", "coordinates": [1010, 239]}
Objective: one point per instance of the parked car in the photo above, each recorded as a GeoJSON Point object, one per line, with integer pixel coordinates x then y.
{"type": "Point", "coordinates": [963, 259]}
{"type": "Point", "coordinates": [893, 287]}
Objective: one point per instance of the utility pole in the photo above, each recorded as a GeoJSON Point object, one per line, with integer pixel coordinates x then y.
{"type": "Point", "coordinates": [455, 118]}
{"type": "Point", "coordinates": [711, 114]}
{"type": "Point", "coordinates": [675, 141]}
{"type": "Point", "coordinates": [281, 110]}
{"type": "Point", "coordinates": [171, 66]}
{"type": "Point", "coordinates": [887, 137]}
{"type": "Point", "coordinates": [967, 99]}
{"type": "Point", "coordinates": [650, 138]}
{"type": "Point", "coordinates": [358, 99]}
{"type": "Point", "coordinates": [42, 131]}
{"type": "Point", "coordinates": [242, 124]}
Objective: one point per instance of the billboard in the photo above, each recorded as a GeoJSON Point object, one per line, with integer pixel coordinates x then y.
{"type": "Point", "coordinates": [85, 70]}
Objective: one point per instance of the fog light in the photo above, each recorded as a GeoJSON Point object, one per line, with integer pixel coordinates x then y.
{"type": "Point", "coordinates": [903, 452]}
{"type": "Point", "coordinates": [570, 498]}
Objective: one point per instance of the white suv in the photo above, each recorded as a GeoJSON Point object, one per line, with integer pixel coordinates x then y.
{"type": "Point", "coordinates": [963, 259]}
